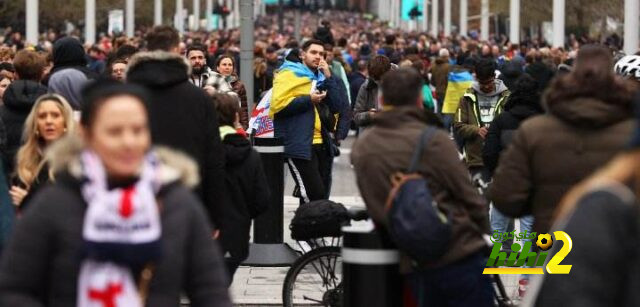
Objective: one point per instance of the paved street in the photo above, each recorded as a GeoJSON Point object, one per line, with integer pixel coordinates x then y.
{"type": "Point", "coordinates": [255, 286]}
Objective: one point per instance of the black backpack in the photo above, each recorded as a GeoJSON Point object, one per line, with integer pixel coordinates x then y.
{"type": "Point", "coordinates": [318, 219]}
{"type": "Point", "coordinates": [416, 224]}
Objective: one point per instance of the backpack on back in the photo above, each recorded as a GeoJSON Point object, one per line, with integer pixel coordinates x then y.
{"type": "Point", "coordinates": [416, 224]}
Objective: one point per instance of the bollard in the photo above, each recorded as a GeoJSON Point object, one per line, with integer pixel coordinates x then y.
{"type": "Point", "coordinates": [370, 264]}
{"type": "Point", "coordinates": [268, 248]}
{"type": "Point", "coordinates": [268, 227]}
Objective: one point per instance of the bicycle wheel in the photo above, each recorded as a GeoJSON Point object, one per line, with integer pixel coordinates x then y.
{"type": "Point", "coordinates": [315, 279]}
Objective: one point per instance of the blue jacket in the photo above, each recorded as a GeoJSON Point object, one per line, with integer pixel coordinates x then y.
{"type": "Point", "coordinates": [295, 123]}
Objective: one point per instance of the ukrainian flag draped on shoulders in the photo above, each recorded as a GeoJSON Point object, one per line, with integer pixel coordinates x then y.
{"type": "Point", "coordinates": [292, 80]}
{"type": "Point", "coordinates": [459, 83]}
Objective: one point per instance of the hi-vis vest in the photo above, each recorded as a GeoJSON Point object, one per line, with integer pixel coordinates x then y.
{"type": "Point", "coordinates": [488, 115]}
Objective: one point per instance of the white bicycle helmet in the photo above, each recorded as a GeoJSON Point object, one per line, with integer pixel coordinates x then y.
{"type": "Point", "coordinates": [628, 67]}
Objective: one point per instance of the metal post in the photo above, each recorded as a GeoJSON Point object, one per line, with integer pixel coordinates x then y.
{"type": "Point", "coordinates": [463, 17]}
{"type": "Point", "coordinates": [236, 11]}
{"type": "Point", "coordinates": [434, 17]}
{"type": "Point", "coordinates": [32, 21]}
{"type": "Point", "coordinates": [631, 8]}
{"type": "Point", "coordinates": [425, 20]}
{"type": "Point", "coordinates": [484, 20]}
{"type": "Point", "coordinates": [157, 12]}
{"type": "Point", "coordinates": [447, 17]}
{"type": "Point", "coordinates": [281, 16]}
{"type": "Point", "coordinates": [297, 25]}
{"type": "Point", "coordinates": [558, 23]}
{"type": "Point", "coordinates": [179, 22]}
{"type": "Point", "coordinates": [369, 261]}
{"type": "Point", "coordinates": [208, 12]}
{"type": "Point", "coordinates": [514, 24]}
{"type": "Point", "coordinates": [246, 49]}
{"type": "Point", "coordinates": [90, 22]}
{"type": "Point", "coordinates": [196, 14]}
{"type": "Point", "coordinates": [130, 15]}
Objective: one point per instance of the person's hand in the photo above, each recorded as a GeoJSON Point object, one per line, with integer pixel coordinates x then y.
{"type": "Point", "coordinates": [216, 234]}
{"type": "Point", "coordinates": [17, 195]}
{"type": "Point", "coordinates": [483, 132]}
{"type": "Point", "coordinates": [210, 90]}
{"type": "Point", "coordinates": [324, 67]}
{"type": "Point", "coordinates": [317, 96]}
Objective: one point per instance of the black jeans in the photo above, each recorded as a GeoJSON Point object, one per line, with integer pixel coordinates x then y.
{"type": "Point", "coordinates": [312, 175]}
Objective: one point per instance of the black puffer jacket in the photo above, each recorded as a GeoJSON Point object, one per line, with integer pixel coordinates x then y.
{"type": "Point", "coordinates": [247, 185]}
{"type": "Point", "coordinates": [522, 104]}
{"type": "Point", "coordinates": [18, 99]}
{"type": "Point", "coordinates": [183, 117]}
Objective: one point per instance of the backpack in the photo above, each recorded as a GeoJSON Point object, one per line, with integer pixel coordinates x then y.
{"type": "Point", "coordinates": [416, 224]}
{"type": "Point", "coordinates": [318, 219]}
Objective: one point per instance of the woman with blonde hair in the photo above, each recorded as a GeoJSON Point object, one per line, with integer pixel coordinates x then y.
{"type": "Point", "coordinates": [49, 120]}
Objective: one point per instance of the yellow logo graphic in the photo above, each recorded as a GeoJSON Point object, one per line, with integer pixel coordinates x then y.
{"type": "Point", "coordinates": [544, 241]}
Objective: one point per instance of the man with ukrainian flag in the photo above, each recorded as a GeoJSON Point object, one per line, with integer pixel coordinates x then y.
{"type": "Point", "coordinates": [299, 89]}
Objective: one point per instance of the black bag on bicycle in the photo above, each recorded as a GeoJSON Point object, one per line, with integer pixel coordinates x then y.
{"type": "Point", "coordinates": [317, 219]}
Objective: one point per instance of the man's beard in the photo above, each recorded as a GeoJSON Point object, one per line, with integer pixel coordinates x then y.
{"type": "Point", "coordinates": [198, 70]}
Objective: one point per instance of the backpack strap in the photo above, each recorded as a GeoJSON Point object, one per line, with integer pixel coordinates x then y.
{"type": "Point", "coordinates": [425, 137]}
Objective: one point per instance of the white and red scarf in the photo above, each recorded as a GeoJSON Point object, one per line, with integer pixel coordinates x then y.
{"type": "Point", "coordinates": [116, 220]}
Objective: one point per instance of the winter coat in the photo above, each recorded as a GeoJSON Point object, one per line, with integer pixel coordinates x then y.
{"type": "Point", "coordinates": [247, 185]}
{"type": "Point", "coordinates": [604, 271]}
{"type": "Point", "coordinates": [440, 77]}
{"type": "Point", "coordinates": [551, 153]}
{"type": "Point", "coordinates": [501, 132]}
{"type": "Point", "coordinates": [387, 147]}
{"type": "Point", "coordinates": [19, 99]}
{"type": "Point", "coordinates": [41, 264]}
{"type": "Point", "coordinates": [238, 88]}
{"type": "Point", "coordinates": [367, 99]}
{"type": "Point", "coordinates": [295, 123]}
{"type": "Point", "coordinates": [69, 83]}
{"type": "Point", "coordinates": [356, 80]}
{"type": "Point", "coordinates": [183, 117]}
{"type": "Point", "coordinates": [469, 119]}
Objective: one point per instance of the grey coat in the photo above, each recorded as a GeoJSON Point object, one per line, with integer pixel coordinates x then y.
{"type": "Point", "coordinates": [41, 264]}
{"type": "Point", "coordinates": [367, 99]}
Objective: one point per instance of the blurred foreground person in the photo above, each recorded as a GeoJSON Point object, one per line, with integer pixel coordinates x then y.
{"type": "Point", "coordinates": [118, 227]}
{"type": "Point", "coordinates": [601, 217]}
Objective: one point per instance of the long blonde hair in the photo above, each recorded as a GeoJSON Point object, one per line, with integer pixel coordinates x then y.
{"type": "Point", "coordinates": [30, 157]}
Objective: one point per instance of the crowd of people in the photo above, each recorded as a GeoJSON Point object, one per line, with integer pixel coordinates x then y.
{"type": "Point", "coordinates": [102, 146]}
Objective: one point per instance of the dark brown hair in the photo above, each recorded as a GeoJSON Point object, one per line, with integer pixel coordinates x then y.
{"type": "Point", "coordinates": [227, 107]}
{"type": "Point", "coordinates": [401, 86]}
{"type": "Point", "coordinates": [162, 38]}
{"type": "Point", "coordinates": [377, 66]}
{"type": "Point", "coordinates": [29, 65]}
{"type": "Point", "coordinates": [225, 56]}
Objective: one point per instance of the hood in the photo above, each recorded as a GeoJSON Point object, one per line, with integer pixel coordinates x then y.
{"type": "Point", "coordinates": [500, 87]}
{"type": "Point", "coordinates": [442, 60]}
{"type": "Point", "coordinates": [68, 83]}
{"type": "Point", "coordinates": [587, 112]}
{"type": "Point", "coordinates": [68, 51]}
{"type": "Point", "coordinates": [237, 148]}
{"type": "Point", "coordinates": [158, 69]}
{"type": "Point", "coordinates": [22, 94]}
{"type": "Point", "coordinates": [64, 156]}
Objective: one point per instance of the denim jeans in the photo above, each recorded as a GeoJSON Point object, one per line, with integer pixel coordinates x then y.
{"type": "Point", "coordinates": [458, 284]}
{"type": "Point", "coordinates": [503, 223]}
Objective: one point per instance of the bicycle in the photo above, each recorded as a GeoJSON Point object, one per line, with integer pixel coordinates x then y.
{"type": "Point", "coordinates": [315, 278]}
